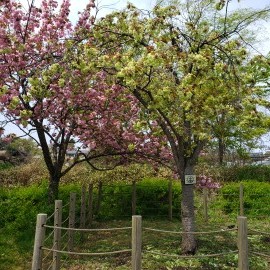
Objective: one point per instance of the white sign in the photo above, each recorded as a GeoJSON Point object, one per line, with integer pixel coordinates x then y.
{"type": "Point", "coordinates": [190, 179]}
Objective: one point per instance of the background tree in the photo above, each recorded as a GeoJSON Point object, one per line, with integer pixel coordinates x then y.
{"type": "Point", "coordinates": [47, 89]}
{"type": "Point", "coordinates": [186, 65]}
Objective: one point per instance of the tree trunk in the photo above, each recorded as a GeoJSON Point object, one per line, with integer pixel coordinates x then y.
{"type": "Point", "coordinates": [221, 150]}
{"type": "Point", "coordinates": [53, 188]}
{"type": "Point", "coordinates": [189, 244]}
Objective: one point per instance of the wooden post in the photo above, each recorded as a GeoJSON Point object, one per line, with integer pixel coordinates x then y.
{"type": "Point", "coordinates": [242, 243]}
{"type": "Point", "coordinates": [57, 234]}
{"type": "Point", "coordinates": [136, 259]}
{"type": "Point", "coordinates": [90, 205]}
{"type": "Point", "coordinates": [39, 239]}
{"type": "Point", "coordinates": [99, 198]}
{"type": "Point", "coordinates": [71, 220]}
{"type": "Point", "coordinates": [205, 204]}
{"type": "Point", "coordinates": [170, 199]}
{"type": "Point", "coordinates": [241, 199]}
{"type": "Point", "coordinates": [134, 198]}
{"type": "Point", "coordinates": [83, 207]}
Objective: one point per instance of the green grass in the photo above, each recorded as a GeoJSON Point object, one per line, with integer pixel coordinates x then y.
{"type": "Point", "coordinates": [166, 244]}
{"type": "Point", "coordinates": [19, 207]}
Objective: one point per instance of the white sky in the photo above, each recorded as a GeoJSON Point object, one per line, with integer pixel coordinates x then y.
{"type": "Point", "coordinates": [110, 5]}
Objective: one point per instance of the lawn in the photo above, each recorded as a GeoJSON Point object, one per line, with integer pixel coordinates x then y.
{"type": "Point", "coordinates": [21, 205]}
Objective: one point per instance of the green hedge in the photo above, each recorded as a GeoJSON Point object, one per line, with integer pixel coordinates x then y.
{"type": "Point", "coordinates": [251, 172]}
{"type": "Point", "coordinates": [152, 199]}
{"type": "Point", "coordinates": [256, 198]}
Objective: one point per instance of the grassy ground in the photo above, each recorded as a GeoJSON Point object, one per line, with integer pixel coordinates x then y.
{"type": "Point", "coordinates": [19, 207]}
{"type": "Point", "coordinates": [166, 244]}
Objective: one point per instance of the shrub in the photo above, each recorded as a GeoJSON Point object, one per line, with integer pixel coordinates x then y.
{"type": "Point", "coordinates": [250, 172]}
{"type": "Point", "coordinates": [256, 198]}
{"type": "Point", "coordinates": [33, 172]}
{"type": "Point", "coordinates": [152, 199]}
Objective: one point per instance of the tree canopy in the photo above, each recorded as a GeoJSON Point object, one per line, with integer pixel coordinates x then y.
{"type": "Point", "coordinates": [47, 88]}
{"type": "Point", "coordinates": [189, 66]}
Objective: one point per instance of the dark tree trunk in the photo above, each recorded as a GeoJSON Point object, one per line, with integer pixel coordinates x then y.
{"type": "Point", "coordinates": [189, 244]}
{"type": "Point", "coordinates": [221, 150]}
{"type": "Point", "coordinates": [53, 188]}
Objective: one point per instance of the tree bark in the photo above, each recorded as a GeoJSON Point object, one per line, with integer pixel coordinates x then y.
{"type": "Point", "coordinates": [221, 150]}
{"type": "Point", "coordinates": [189, 243]}
{"type": "Point", "coordinates": [53, 188]}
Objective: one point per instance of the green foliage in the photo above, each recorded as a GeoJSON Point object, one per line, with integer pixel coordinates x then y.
{"type": "Point", "coordinates": [152, 196]}
{"type": "Point", "coordinates": [251, 172]}
{"type": "Point", "coordinates": [256, 198]}
{"type": "Point", "coordinates": [83, 173]}
{"type": "Point", "coordinates": [4, 166]}
{"type": "Point", "coordinates": [152, 199]}
{"type": "Point", "coordinates": [24, 174]}
{"type": "Point", "coordinates": [26, 146]}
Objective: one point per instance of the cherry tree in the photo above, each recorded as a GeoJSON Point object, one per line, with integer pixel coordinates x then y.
{"type": "Point", "coordinates": [46, 88]}
{"type": "Point", "coordinates": [186, 65]}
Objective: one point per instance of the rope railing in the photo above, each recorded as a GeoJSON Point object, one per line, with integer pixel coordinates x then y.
{"type": "Point", "coordinates": [259, 232]}
{"type": "Point", "coordinates": [87, 253]}
{"type": "Point", "coordinates": [182, 232]}
{"type": "Point", "coordinates": [260, 254]}
{"type": "Point", "coordinates": [87, 230]}
{"type": "Point", "coordinates": [191, 256]}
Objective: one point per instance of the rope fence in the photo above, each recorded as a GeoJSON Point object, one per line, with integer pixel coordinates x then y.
{"type": "Point", "coordinates": [192, 256]}
{"type": "Point", "coordinates": [137, 251]}
{"type": "Point", "coordinates": [174, 232]}
{"type": "Point", "coordinates": [51, 244]}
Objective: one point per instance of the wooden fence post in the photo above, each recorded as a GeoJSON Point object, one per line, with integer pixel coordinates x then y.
{"type": "Point", "coordinates": [241, 199]}
{"type": "Point", "coordinates": [90, 205]}
{"type": "Point", "coordinates": [71, 220]}
{"type": "Point", "coordinates": [242, 243]}
{"type": "Point", "coordinates": [205, 204]}
{"type": "Point", "coordinates": [83, 207]}
{"type": "Point", "coordinates": [134, 198]}
{"type": "Point", "coordinates": [136, 259]}
{"type": "Point", "coordinates": [39, 239]}
{"type": "Point", "coordinates": [170, 199]}
{"type": "Point", "coordinates": [99, 198]}
{"type": "Point", "coordinates": [57, 234]}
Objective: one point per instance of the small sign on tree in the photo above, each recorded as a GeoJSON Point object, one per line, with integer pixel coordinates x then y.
{"type": "Point", "coordinates": [190, 179]}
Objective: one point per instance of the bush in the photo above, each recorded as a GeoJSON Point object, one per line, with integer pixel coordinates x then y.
{"type": "Point", "coordinates": [25, 174]}
{"type": "Point", "coordinates": [5, 165]}
{"type": "Point", "coordinates": [256, 198]}
{"type": "Point", "coordinates": [251, 172]}
{"type": "Point", "coordinates": [152, 199]}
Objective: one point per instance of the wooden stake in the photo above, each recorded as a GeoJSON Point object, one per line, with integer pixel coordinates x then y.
{"type": "Point", "coordinates": [39, 240]}
{"type": "Point", "coordinates": [136, 259]}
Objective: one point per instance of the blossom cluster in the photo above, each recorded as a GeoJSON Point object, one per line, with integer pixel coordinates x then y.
{"type": "Point", "coordinates": [205, 181]}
